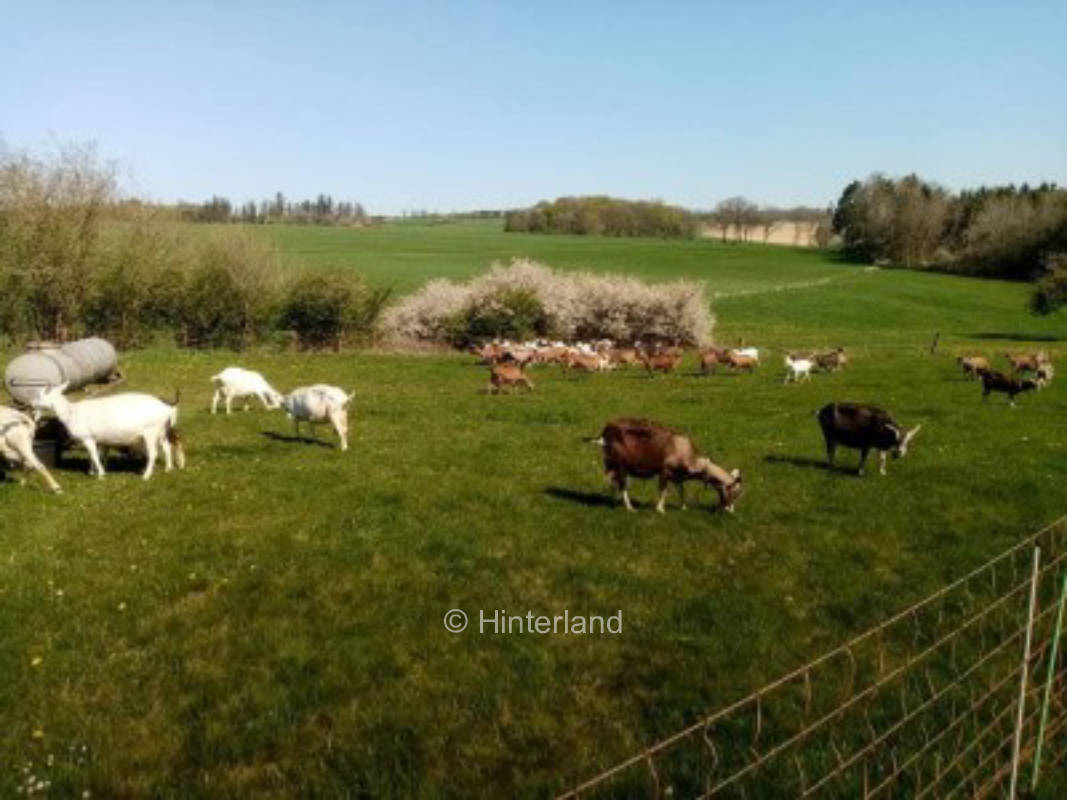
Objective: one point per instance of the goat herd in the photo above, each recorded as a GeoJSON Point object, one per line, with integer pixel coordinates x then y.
{"type": "Point", "coordinates": [632, 447]}
{"type": "Point", "coordinates": [645, 449]}
{"type": "Point", "coordinates": [134, 421]}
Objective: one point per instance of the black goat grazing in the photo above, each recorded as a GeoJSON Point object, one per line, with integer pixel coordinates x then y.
{"type": "Point", "coordinates": [862, 427]}
{"type": "Point", "coordinates": [993, 381]}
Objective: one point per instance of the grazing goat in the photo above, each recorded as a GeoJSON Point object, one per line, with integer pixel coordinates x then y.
{"type": "Point", "coordinates": [1026, 362]}
{"type": "Point", "coordinates": [586, 362]}
{"type": "Point", "coordinates": [234, 383]}
{"type": "Point", "coordinates": [508, 374]}
{"type": "Point", "coordinates": [862, 427]}
{"type": "Point", "coordinates": [625, 356]}
{"type": "Point", "coordinates": [664, 362]}
{"type": "Point", "coordinates": [973, 365]}
{"type": "Point", "coordinates": [641, 448]}
{"type": "Point", "coordinates": [16, 444]}
{"type": "Point", "coordinates": [739, 360]}
{"type": "Point", "coordinates": [993, 381]}
{"type": "Point", "coordinates": [134, 421]}
{"type": "Point", "coordinates": [797, 369]}
{"type": "Point", "coordinates": [712, 357]}
{"type": "Point", "coordinates": [316, 404]}
{"type": "Point", "coordinates": [833, 360]}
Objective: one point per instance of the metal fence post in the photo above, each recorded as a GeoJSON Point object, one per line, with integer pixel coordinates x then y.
{"type": "Point", "coordinates": [1023, 677]}
{"type": "Point", "coordinates": [1048, 684]}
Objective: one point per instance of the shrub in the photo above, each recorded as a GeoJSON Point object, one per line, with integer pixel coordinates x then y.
{"type": "Point", "coordinates": [49, 226]}
{"type": "Point", "coordinates": [1051, 291]}
{"type": "Point", "coordinates": [504, 313]}
{"type": "Point", "coordinates": [323, 308]}
{"type": "Point", "coordinates": [232, 295]}
{"type": "Point", "coordinates": [526, 298]}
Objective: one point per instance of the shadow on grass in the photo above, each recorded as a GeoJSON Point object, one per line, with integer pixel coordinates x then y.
{"type": "Point", "coordinates": [810, 463]}
{"type": "Point", "coordinates": [1020, 337]}
{"type": "Point", "coordinates": [115, 462]}
{"type": "Point", "coordinates": [282, 437]}
{"type": "Point", "coordinates": [594, 499]}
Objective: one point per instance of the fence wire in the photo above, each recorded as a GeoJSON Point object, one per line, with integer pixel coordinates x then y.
{"type": "Point", "coordinates": [923, 705]}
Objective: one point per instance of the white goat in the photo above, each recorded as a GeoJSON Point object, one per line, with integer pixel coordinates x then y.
{"type": "Point", "coordinates": [750, 352]}
{"type": "Point", "coordinates": [319, 403]}
{"type": "Point", "coordinates": [130, 420]}
{"type": "Point", "coordinates": [797, 369]}
{"type": "Point", "coordinates": [16, 444]}
{"type": "Point", "coordinates": [234, 382]}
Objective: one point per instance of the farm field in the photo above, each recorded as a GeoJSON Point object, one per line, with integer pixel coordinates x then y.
{"type": "Point", "coordinates": [269, 621]}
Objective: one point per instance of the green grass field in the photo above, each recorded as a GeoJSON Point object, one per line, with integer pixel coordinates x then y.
{"type": "Point", "coordinates": [269, 621]}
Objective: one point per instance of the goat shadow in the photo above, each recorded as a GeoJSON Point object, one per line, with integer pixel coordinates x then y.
{"type": "Point", "coordinates": [282, 437]}
{"type": "Point", "coordinates": [597, 499]}
{"type": "Point", "coordinates": [1019, 337]}
{"type": "Point", "coordinates": [810, 463]}
{"type": "Point", "coordinates": [116, 462]}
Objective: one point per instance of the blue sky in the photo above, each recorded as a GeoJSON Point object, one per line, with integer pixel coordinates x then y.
{"type": "Point", "coordinates": [458, 105]}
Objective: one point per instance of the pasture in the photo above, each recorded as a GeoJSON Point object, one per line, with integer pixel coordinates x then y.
{"type": "Point", "coordinates": [268, 622]}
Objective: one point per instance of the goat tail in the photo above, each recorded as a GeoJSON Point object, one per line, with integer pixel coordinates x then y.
{"type": "Point", "coordinates": [177, 396]}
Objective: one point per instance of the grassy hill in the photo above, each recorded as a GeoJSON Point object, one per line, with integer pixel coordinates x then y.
{"type": "Point", "coordinates": [269, 621]}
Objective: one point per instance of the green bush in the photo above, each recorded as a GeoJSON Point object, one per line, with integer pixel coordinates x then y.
{"type": "Point", "coordinates": [515, 314]}
{"type": "Point", "coordinates": [1051, 291]}
{"type": "Point", "coordinates": [325, 308]}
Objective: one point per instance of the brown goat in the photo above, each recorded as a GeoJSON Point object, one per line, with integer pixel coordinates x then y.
{"type": "Point", "coordinates": [624, 356]}
{"type": "Point", "coordinates": [741, 362]}
{"type": "Point", "coordinates": [585, 362]}
{"type": "Point", "coordinates": [1026, 362]}
{"type": "Point", "coordinates": [831, 361]}
{"type": "Point", "coordinates": [664, 362]}
{"type": "Point", "coordinates": [712, 357]}
{"type": "Point", "coordinates": [509, 374]}
{"type": "Point", "coordinates": [641, 448]}
{"type": "Point", "coordinates": [973, 365]}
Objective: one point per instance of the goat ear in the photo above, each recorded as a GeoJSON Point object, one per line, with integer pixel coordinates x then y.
{"type": "Point", "coordinates": [736, 474]}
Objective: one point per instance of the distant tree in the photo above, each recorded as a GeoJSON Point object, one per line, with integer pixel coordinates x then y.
{"type": "Point", "coordinates": [737, 213]}
{"type": "Point", "coordinates": [900, 222]}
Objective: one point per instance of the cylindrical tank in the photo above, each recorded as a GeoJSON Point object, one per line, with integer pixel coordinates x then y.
{"type": "Point", "coordinates": [77, 363]}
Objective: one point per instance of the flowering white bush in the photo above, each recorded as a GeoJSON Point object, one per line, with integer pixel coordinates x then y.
{"type": "Point", "coordinates": [575, 305]}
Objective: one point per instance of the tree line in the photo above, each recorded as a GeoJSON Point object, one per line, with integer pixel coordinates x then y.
{"type": "Point", "coordinates": [323, 210]}
{"type": "Point", "coordinates": [609, 216]}
{"type": "Point", "coordinates": [1000, 231]}
{"type": "Point", "coordinates": [603, 216]}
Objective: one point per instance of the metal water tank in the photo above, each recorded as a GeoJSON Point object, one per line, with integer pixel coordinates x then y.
{"type": "Point", "coordinates": [46, 364]}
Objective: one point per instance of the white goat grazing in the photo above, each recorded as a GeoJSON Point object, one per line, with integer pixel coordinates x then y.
{"type": "Point", "coordinates": [16, 444]}
{"type": "Point", "coordinates": [797, 369]}
{"type": "Point", "coordinates": [234, 382]}
{"type": "Point", "coordinates": [319, 403]}
{"type": "Point", "coordinates": [131, 420]}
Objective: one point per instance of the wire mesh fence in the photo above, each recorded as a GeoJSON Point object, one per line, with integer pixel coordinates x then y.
{"type": "Point", "coordinates": [926, 704]}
